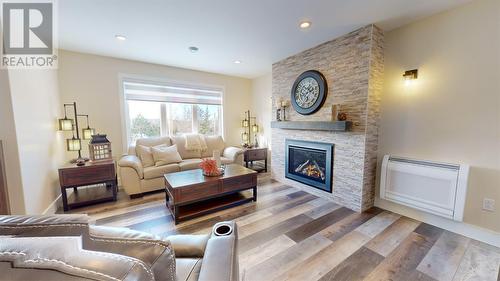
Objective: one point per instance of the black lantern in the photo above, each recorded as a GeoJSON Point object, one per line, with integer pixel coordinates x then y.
{"type": "Point", "coordinates": [100, 148]}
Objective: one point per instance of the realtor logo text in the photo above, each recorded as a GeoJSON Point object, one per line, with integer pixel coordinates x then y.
{"type": "Point", "coordinates": [28, 35]}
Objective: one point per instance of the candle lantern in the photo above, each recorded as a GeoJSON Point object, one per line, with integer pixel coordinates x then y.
{"type": "Point", "coordinates": [100, 148]}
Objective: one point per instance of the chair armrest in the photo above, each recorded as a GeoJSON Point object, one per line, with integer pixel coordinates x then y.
{"type": "Point", "coordinates": [189, 246]}
{"type": "Point", "coordinates": [133, 162]}
{"type": "Point", "coordinates": [232, 152]}
{"type": "Point", "coordinates": [220, 261]}
{"type": "Point", "coordinates": [44, 225]}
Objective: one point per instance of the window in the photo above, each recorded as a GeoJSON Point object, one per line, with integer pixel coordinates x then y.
{"type": "Point", "coordinates": [171, 109]}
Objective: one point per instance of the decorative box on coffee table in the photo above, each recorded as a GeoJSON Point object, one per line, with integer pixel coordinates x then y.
{"type": "Point", "coordinates": [190, 194]}
{"type": "Point", "coordinates": [96, 180]}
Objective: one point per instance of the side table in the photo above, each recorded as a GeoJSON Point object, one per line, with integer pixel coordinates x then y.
{"type": "Point", "coordinates": [93, 173]}
{"type": "Point", "coordinates": [255, 154]}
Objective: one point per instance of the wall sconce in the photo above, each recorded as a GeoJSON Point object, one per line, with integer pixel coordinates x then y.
{"type": "Point", "coordinates": [410, 75]}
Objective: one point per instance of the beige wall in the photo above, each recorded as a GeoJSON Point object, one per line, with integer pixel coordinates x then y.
{"type": "Point", "coordinates": [452, 112]}
{"type": "Point", "coordinates": [11, 155]}
{"type": "Point", "coordinates": [36, 106]}
{"type": "Point", "coordinates": [261, 107]}
{"type": "Point", "coordinates": [92, 81]}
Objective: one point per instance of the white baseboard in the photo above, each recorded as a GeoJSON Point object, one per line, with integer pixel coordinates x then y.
{"type": "Point", "coordinates": [465, 229]}
{"type": "Point", "coordinates": [52, 208]}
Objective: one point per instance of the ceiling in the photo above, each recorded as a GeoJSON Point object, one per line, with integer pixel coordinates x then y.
{"type": "Point", "coordinates": [256, 32]}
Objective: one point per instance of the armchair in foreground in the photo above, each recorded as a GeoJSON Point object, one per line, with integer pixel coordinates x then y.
{"type": "Point", "coordinates": [66, 247]}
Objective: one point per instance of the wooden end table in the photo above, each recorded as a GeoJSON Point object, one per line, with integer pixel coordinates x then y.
{"type": "Point", "coordinates": [190, 194]}
{"type": "Point", "coordinates": [93, 173]}
{"type": "Point", "coordinates": [255, 154]}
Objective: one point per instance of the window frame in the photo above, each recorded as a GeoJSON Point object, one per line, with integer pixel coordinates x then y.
{"type": "Point", "coordinates": [124, 110]}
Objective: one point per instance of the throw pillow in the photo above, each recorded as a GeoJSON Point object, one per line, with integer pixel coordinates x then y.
{"type": "Point", "coordinates": [193, 142]}
{"type": "Point", "coordinates": [166, 155]}
{"type": "Point", "coordinates": [144, 153]}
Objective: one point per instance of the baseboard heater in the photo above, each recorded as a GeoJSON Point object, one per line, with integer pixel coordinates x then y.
{"type": "Point", "coordinates": [436, 188]}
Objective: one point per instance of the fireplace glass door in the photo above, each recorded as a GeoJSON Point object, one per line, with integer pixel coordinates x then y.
{"type": "Point", "coordinates": [310, 163]}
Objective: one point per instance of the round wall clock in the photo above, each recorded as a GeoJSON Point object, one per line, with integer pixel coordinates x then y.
{"type": "Point", "coordinates": [309, 92]}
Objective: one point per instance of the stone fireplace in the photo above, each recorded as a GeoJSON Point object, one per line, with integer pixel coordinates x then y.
{"type": "Point", "coordinates": [309, 163]}
{"type": "Point", "coordinates": [353, 68]}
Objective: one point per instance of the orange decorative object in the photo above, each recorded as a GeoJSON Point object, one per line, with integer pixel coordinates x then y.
{"type": "Point", "coordinates": [342, 116]}
{"type": "Point", "coordinates": [209, 167]}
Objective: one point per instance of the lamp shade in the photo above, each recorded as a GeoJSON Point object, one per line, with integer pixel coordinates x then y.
{"type": "Point", "coordinates": [73, 144]}
{"type": "Point", "coordinates": [244, 136]}
{"type": "Point", "coordinates": [65, 124]}
{"type": "Point", "coordinates": [245, 123]}
{"type": "Point", "coordinates": [87, 133]}
{"type": "Point", "coordinates": [255, 128]}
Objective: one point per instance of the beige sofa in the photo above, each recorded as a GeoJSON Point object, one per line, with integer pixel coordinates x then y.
{"type": "Point", "coordinates": [137, 179]}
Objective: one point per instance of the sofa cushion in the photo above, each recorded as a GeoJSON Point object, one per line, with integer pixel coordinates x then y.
{"type": "Point", "coordinates": [190, 164]}
{"type": "Point", "coordinates": [213, 143]}
{"type": "Point", "coordinates": [154, 141]}
{"type": "Point", "coordinates": [144, 153]}
{"type": "Point", "coordinates": [195, 142]}
{"type": "Point", "coordinates": [180, 141]}
{"type": "Point", "coordinates": [157, 172]}
{"type": "Point", "coordinates": [164, 155]}
{"type": "Point", "coordinates": [223, 160]}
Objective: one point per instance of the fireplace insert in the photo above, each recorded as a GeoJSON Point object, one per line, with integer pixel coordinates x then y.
{"type": "Point", "coordinates": [310, 163]}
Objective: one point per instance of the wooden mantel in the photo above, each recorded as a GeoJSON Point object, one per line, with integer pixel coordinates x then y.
{"type": "Point", "coordinates": [337, 126]}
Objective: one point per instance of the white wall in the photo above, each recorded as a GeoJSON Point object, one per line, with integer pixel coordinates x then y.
{"type": "Point", "coordinates": [11, 155]}
{"type": "Point", "coordinates": [36, 107]}
{"type": "Point", "coordinates": [261, 107]}
{"type": "Point", "coordinates": [92, 81]}
{"type": "Point", "coordinates": [452, 112]}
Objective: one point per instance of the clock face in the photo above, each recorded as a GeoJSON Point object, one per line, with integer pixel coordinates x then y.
{"type": "Point", "coordinates": [307, 92]}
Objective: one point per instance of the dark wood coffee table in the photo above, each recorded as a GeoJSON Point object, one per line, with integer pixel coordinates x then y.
{"type": "Point", "coordinates": [190, 194]}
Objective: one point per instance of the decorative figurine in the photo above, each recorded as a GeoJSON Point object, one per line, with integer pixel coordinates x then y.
{"type": "Point", "coordinates": [342, 116]}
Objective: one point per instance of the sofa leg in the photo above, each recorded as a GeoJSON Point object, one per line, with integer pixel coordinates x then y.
{"type": "Point", "coordinates": [135, 196]}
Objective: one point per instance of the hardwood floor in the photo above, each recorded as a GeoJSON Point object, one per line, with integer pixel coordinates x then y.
{"type": "Point", "coordinates": [290, 234]}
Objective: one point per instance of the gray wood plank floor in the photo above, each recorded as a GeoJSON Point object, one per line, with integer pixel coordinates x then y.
{"type": "Point", "coordinates": [289, 234]}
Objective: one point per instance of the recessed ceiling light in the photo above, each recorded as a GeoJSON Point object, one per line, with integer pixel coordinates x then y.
{"type": "Point", "coordinates": [237, 61]}
{"type": "Point", "coordinates": [305, 24]}
{"type": "Point", "coordinates": [193, 49]}
{"type": "Point", "coordinates": [120, 37]}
